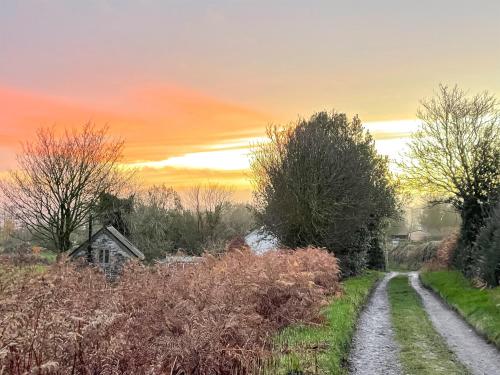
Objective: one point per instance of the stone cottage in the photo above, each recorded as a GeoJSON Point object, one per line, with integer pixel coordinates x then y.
{"type": "Point", "coordinates": [110, 250]}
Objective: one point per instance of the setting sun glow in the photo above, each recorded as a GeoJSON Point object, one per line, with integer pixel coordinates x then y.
{"type": "Point", "coordinates": [191, 88]}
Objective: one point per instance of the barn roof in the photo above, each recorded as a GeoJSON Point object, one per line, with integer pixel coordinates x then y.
{"type": "Point", "coordinates": [117, 236]}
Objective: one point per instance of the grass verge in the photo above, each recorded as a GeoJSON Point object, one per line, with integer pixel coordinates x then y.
{"type": "Point", "coordinates": [324, 349]}
{"type": "Point", "coordinates": [479, 307]}
{"type": "Point", "coordinates": [423, 350]}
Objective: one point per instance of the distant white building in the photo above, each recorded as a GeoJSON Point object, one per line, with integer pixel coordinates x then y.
{"type": "Point", "coordinates": [261, 241]}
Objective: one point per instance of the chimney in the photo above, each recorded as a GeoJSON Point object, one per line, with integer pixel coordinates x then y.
{"type": "Point", "coordinates": [89, 245]}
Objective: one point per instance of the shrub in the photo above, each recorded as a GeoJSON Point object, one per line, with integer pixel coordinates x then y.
{"type": "Point", "coordinates": [22, 254]}
{"type": "Point", "coordinates": [488, 249]}
{"type": "Point", "coordinates": [376, 255]}
{"type": "Point", "coordinates": [237, 242]}
{"type": "Point", "coordinates": [446, 250]}
{"type": "Point", "coordinates": [443, 258]}
{"type": "Point", "coordinates": [216, 317]}
{"type": "Point", "coordinates": [413, 255]}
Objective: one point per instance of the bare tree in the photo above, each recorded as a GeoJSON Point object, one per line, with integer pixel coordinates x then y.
{"type": "Point", "coordinates": [158, 223]}
{"type": "Point", "coordinates": [194, 202]}
{"type": "Point", "coordinates": [208, 203]}
{"type": "Point", "coordinates": [60, 178]}
{"type": "Point", "coordinates": [456, 154]}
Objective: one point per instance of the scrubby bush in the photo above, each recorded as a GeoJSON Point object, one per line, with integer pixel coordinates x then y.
{"type": "Point", "coordinates": [488, 249]}
{"type": "Point", "coordinates": [443, 258]}
{"type": "Point", "coordinates": [216, 317]}
{"type": "Point", "coordinates": [376, 254]}
{"type": "Point", "coordinates": [20, 255]}
{"type": "Point", "coordinates": [413, 255]}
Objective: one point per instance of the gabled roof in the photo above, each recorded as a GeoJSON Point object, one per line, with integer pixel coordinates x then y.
{"type": "Point", "coordinates": [117, 236]}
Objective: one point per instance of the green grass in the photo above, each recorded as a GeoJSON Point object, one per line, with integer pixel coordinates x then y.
{"type": "Point", "coordinates": [423, 350]}
{"type": "Point", "coordinates": [49, 255]}
{"type": "Point", "coordinates": [399, 267]}
{"type": "Point", "coordinates": [479, 307]}
{"type": "Point", "coordinates": [325, 349]}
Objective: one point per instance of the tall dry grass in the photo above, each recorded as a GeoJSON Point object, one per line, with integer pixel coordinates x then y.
{"type": "Point", "coordinates": [412, 255]}
{"type": "Point", "coordinates": [217, 317]}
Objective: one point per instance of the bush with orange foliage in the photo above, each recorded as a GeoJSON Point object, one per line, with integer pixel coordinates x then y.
{"type": "Point", "coordinates": [444, 254]}
{"type": "Point", "coordinates": [216, 317]}
{"type": "Point", "coordinates": [237, 242]}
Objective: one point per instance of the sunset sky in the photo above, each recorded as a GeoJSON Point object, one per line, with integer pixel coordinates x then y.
{"type": "Point", "coordinates": [190, 85]}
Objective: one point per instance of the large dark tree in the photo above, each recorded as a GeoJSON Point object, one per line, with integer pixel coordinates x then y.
{"type": "Point", "coordinates": [115, 211]}
{"type": "Point", "coordinates": [321, 182]}
{"type": "Point", "coordinates": [59, 180]}
{"type": "Point", "coordinates": [456, 155]}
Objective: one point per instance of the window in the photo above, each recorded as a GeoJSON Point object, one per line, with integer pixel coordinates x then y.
{"type": "Point", "coordinates": [104, 256]}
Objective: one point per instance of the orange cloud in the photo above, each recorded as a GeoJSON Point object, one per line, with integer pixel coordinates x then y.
{"type": "Point", "coordinates": [157, 123]}
{"type": "Point", "coordinates": [173, 135]}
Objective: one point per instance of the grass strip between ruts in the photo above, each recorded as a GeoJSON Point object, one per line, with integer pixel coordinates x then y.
{"type": "Point", "coordinates": [422, 350]}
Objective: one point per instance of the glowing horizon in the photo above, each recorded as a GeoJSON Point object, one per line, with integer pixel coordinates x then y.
{"type": "Point", "coordinates": [191, 85]}
{"type": "Point", "coordinates": [235, 155]}
{"type": "Point", "coordinates": [218, 154]}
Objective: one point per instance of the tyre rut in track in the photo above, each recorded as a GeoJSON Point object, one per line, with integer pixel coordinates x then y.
{"type": "Point", "coordinates": [374, 349]}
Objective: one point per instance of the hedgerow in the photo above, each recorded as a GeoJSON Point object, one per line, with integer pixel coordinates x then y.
{"type": "Point", "coordinates": [488, 249]}
{"type": "Point", "coordinates": [411, 255]}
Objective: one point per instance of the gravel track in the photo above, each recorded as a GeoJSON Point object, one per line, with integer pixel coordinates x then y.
{"type": "Point", "coordinates": [374, 350]}
{"type": "Point", "coordinates": [471, 349]}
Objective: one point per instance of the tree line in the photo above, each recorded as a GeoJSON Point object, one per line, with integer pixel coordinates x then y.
{"type": "Point", "coordinates": [158, 221]}
{"type": "Point", "coordinates": [64, 180]}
